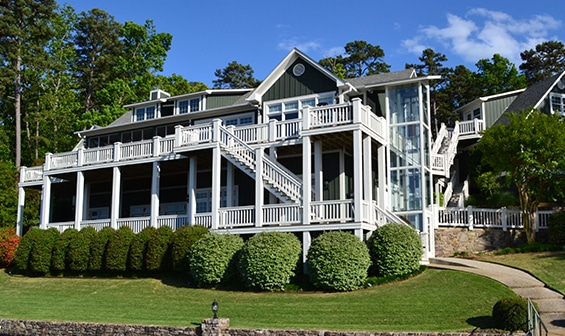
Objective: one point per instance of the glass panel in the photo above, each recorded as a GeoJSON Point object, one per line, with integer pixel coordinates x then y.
{"type": "Point", "coordinates": [325, 101]}
{"type": "Point", "coordinates": [275, 108]}
{"type": "Point", "coordinates": [309, 102]}
{"type": "Point", "coordinates": [291, 106]}
{"type": "Point", "coordinates": [293, 115]}
{"type": "Point", "coordinates": [150, 112]}
{"type": "Point", "coordinates": [139, 114]}
{"type": "Point", "coordinates": [403, 105]}
{"type": "Point", "coordinates": [195, 105]}
{"type": "Point", "coordinates": [406, 189]}
{"type": "Point", "coordinates": [405, 144]}
{"type": "Point", "coordinates": [183, 107]}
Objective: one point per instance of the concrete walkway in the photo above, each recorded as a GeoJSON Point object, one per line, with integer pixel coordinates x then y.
{"type": "Point", "coordinates": [551, 303]}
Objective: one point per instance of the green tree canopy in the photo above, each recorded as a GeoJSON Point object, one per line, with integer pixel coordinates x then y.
{"type": "Point", "coordinates": [360, 59]}
{"type": "Point", "coordinates": [235, 76]}
{"type": "Point", "coordinates": [546, 60]}
{"type": "Point", "coordinates": [497, 75]}
{"type": "Point", "coordinates": [530, 151]}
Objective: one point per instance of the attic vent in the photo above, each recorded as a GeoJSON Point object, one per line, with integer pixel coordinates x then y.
{"type": "Point", "coordinates": [298, 69]}
{"type": "Point", "coordinates": [158, 94]}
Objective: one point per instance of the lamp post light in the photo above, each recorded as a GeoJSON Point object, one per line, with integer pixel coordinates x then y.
{"type": "Point", "coordinates": [215, 308]}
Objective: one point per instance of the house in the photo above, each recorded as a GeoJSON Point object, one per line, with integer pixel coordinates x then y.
{"type": "Point", "coordinates": [304, 152]}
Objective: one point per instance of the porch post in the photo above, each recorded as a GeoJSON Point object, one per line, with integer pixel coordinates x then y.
{"type": "Point", "coordinates": [382, 163]}
{"type": "Point", "coordinates": [20, 214]}
{"type": "Point", "coordinates": [216, 171]}
{"type": "Point", "coordinates": [342, 191]}
{"type": "Point", "coordinates": [259, 187]}
{"type": "Point", "coordinates": [229, 185]}
{"type": "Point", "coordinates": [318, 171]}
{"type": "Point", "coordinates": [155, 177]}
{"type": "Point", "coordinates": [368, 174]}
{"type": "Point", "coordinates": [45, 202]}
{"type": "Point", "coordinates": [116, 197]}
{"type": "Point", "coordinates": [79, 200]}
{"type": "Point", "coordinates": [306, 242]}
{"type": "Point", "coordinates": [191, 190]}
{"type": "Point", "coordinates": [306, 179]}
{"type": "Point", "coordinates": [357, 175]}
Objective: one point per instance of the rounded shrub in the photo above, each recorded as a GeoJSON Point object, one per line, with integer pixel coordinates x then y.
{"type": "Point", "coordinates": [23, 253]}
{"type": "Point", "coordinates": [212, 259]}
{"type": "Point", "coordinates": [183, 240]}
{"type": "Point", "coordinates": [9, 241]}
{"type": "Point", "coordinates": [511, 314]}
{"type": "Point", "coordinates": [396, 250]}
{"type": "Point", "coordinates": [338, 261]}
{"type": "Point", "coordinates": [118, 248]}
{"type": "Point", "coordinates": [78, 255]}
{"type": "Point", "coordinates": [157, 257]}
{"type": "Point", "coordinates": [556, 225]}
{"type": "Point", "coordinates": [60, 249]}
{"type": "Point", "coordinates": [40, 257]}
{"type": "Point", "coordinates": [138, 248]}
{"type": "Point", "coordinates": [98, 248]}
{"type": "Point", "coordinates": [268, 260]}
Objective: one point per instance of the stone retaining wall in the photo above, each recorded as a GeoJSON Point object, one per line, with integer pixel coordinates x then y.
{"type": "Point", "coordinates": [452, 241]}
{"type": "Point", "coordinates": [46, 328]}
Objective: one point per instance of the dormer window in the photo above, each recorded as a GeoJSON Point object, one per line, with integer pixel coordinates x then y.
{"type": "Point", "coordinates": [557, 103]}
{"type": "Point", "coordinates": [144, 113]}
{"type": "Point", "coordinates": [190, 105]}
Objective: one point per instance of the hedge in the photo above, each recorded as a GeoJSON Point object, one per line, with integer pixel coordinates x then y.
{"type": "Point", "coordinates": [511, 314]}
{"type": "Point", "coordinates": [40, 256]}
{"type": "Point", "coordinates": [117, 249]}
{"type": "Point", "coordinates": [78, 254]}
{"type": "Point", "coordinates": [556, 226]}
{"type": "Point", "coordinates": [157, 257]}
{"type": "Point", "coordinates": [60, 249]}
{"type": "Point", "coordinates": [8, 244]}
{"type": "Point", "coordinates": [183, 240]}
{"type": "Point", "coordinates": [396, 250]}
{"type": "Point", "coordinates": [138, 248]}
{"type": "Point", "coordinates": [98, 248]}
{"type": "Point", "coordinates": [269, 260]}
{"type": "Point", "coordinates": [23, 253]}
{"type": "Point", "coordinates": [212, 259]}
{"type": "Point", "coordinates": [338, 261]}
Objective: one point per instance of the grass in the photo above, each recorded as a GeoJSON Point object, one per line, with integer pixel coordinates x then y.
{"type": "Point", "coordinates": [436, 300]}
{"type": "Point", "coordinates": [546, 266]}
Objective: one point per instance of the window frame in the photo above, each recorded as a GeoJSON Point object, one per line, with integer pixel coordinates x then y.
{"type": "Point", "coordinates": [296, 106]}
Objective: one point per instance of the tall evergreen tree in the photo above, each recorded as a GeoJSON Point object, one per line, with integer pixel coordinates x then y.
{"type": "Point", "coordinates": [360, 59]}
{"type": "Point", "coordinates": [546, 60]}
{"type": "Point", "coordinates": [235, 76]}
{"type": "Point", "coordinates": [497, 75]}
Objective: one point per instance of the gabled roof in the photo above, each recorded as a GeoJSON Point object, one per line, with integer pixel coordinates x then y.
{"type": "Point", "coordinates": [480, 100]}
{"type": "Point", "coordinates": [379, 79]}
{"type": "Point", "coordinates": [257, 95]}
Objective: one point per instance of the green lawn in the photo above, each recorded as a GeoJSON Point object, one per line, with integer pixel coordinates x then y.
{"type": "Point", "coordinates": [549, 267]}
{"type": "Point", "coordinates": [437, 300]}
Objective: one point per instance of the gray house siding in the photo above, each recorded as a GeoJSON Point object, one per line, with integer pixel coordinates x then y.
{"type": "Point", "coordinates": [495, 108]}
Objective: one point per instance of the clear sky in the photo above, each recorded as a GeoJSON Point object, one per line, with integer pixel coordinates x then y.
{"type": "Point", "coordinates": [207, 35]}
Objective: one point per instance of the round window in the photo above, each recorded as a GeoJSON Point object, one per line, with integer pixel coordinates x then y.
{"type": "Point", "coordinates": [298, 69]}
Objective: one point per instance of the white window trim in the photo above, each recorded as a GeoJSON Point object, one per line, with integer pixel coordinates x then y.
{"type": "Point", "coordinates": [156, 113]}
{"type": "Point", "coordinates": [561, 97]}
{"type": "Point", "coordinates": [188, 100]}
{"type": "Point", "coordinates": [298, 100]}
{"type": "Point", "coordinates": [230, 117]}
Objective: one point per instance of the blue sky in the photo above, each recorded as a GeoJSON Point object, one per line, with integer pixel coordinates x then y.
{"type": "Point", "coordinates": [207, 35]}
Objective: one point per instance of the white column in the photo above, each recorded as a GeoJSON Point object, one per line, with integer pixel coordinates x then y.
{"type": "Point", "coordinates": [79, 200]}
{"type": "Point", "coordinates": [383, 184]}
{"type": "Point", "coordinates": [20, 214]}
{"type": "Point", "coordinates": [191, 190]}
{"type": "Point", "coordinates": [116, 197]}
{"type": "Point", "coordinates": [318, 171]}
{"type": "Point", "coordinates": [368, 174]}
{"type": "Point", "coordinates": [45, 202]}
{"type": "Point", "coordinates": [259, 187]}
{"type": "Point", "coordinates": [306, 242]}
{"type": "Point", "coordinates": [359, 234]}
{"type": "Point", "coordinates": [342, 191]}
{"type": "Point", "coordinates": [357, 174]}
{"type": "Point", "coordinates": [216, 181]}
{"type": "Point", "coordinates": [229, 184]}
{"type": "Point", "coordinates": [306, 179]}
{"type": "Point", "coordinates": [155, 178]}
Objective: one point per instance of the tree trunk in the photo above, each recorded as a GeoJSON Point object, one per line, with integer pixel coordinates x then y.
{"type": "Point", "coordinates": [17, 107]}
{"type": "Point", "coordinates": [528, 209]}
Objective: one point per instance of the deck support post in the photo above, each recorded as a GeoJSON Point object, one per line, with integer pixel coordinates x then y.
{"type": "Point", "coordinates": [259, 187]}
{"type": "Point", "coordinates": [116, 198]}
{"type": "Point", "coordinates": [368, 175]}
{"type": "Point", "coordinates": [20, 213]}
{"type": "Point", "coordinates": [155, 177]}
{"type": "Point", "coordinates": [191, 191]}
{"type": "Point", "coordinates": [216, 183]}
{"type": "Point", "coordinates": [318, 171]}
{"type": "Point", "coordinates": [306, 179]}
{"type": "Point", "coordinates": [79, 200]}
{"type": "Point", "coordinates": [383, 183]}
{"type": "Point", "coordinates": [357, 175]}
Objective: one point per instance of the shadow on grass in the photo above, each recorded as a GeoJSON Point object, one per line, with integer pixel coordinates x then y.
{"type": "Point", "coordinates": [482, 322]}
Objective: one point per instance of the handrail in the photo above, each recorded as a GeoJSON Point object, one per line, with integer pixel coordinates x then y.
{"type": "Point", "coordinates": [535, 322]}
{"type": "Point", "coordinates": [439, 138]}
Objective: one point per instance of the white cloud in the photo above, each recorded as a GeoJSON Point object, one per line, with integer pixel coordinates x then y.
{"type": "Point", "coordinates": [304, 46]}
{"type": "Point", "coordinates": [483, 33]}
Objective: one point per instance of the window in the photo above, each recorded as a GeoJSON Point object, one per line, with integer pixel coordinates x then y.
{"type": "Point", "coordinates": [557, 103]}
{"type": "Point", "coordinates": [292, 109]}
{"type": "Point", "coordinates": [144, 113]}
{"type": "Point", "coordinates": [191, 105]}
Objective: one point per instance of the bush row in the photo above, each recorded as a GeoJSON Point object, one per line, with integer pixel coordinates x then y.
{"type": "Point", "coordinates": [48, 251]}
{"type": "Point", "coordinates": [268, 261]}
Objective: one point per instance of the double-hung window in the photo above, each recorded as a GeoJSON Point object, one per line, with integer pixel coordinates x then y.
{"type": "Point", "coordinates": [557, 103]}
{"type": "Point", "coordinates": [292, 109]}
{"type": "Point", "coordinates": [190, 105]}
{"type": "Point", "coordinates": [144, 113]}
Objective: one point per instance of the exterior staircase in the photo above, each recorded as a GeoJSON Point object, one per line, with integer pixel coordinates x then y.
{"type": "Point", "coordinates": [278, 180]}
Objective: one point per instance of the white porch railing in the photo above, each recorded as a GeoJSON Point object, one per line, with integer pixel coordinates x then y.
{"type": "Point", "coordinates": [136, 150]}
{"type": "Point", "coordinates": [331, 211]}
{"type": "Point", "coordinates": [137, 224]}
{"type": "Point", "coordinates": [175, 222]}
{"type": "Point", "coordinates": [31, 174]}
{"type": "Point", "coordinates": [97, 224]}
{"type": "Point", "coordinates": [61, 226]}
{"type": "Point", "coordinates": [203, 219]}
{"type": "Point", "coordinates": [330, 115]}
{"type": "Point", "coordinates": [237, 217]}
{"type": "Point", "coordinates": [487, 218]}
{"type": "Point", "coordinates": [98, 155]}
{"type": "Point", "coordinates": [282, 214]}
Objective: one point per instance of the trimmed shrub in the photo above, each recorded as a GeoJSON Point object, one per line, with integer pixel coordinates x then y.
{"type": "Point", "coordinates": [158, 253]}
{"type": "Point", "coordinates": [396, 250]}
{"type": "Point", "coordinates": [78, 255]}
{"type": "Point", "coordinates": [98, 248]}
{"type": "Point", "coordinates": [511, 314]}
{"type": "Point", "coordinates": [23, 253]}
{"type": "Point", "coordinates": [138, 248]}
{"type": "Point", "coordinates": [60, 249]}
{"type": "Point", "coordinates": [40, 257]}
{"type": "Point", "coordinates": [269, 260]}
{"type": "Point", "coordinates": [338, 261]}
{"type": "Point", "coordinates": [118, 248]}
{"type": "Point", "coordinates": [212, 259]}
{"type": "Point", "coordinates": [556, 225]}
{"type": "Point", "coordinates": [8, 244]}
{"type": "Point", "coordinates": [183, 240]}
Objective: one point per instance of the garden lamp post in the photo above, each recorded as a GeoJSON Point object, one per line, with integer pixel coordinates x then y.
{"type": "Point", "coordinates": [215, 308]}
